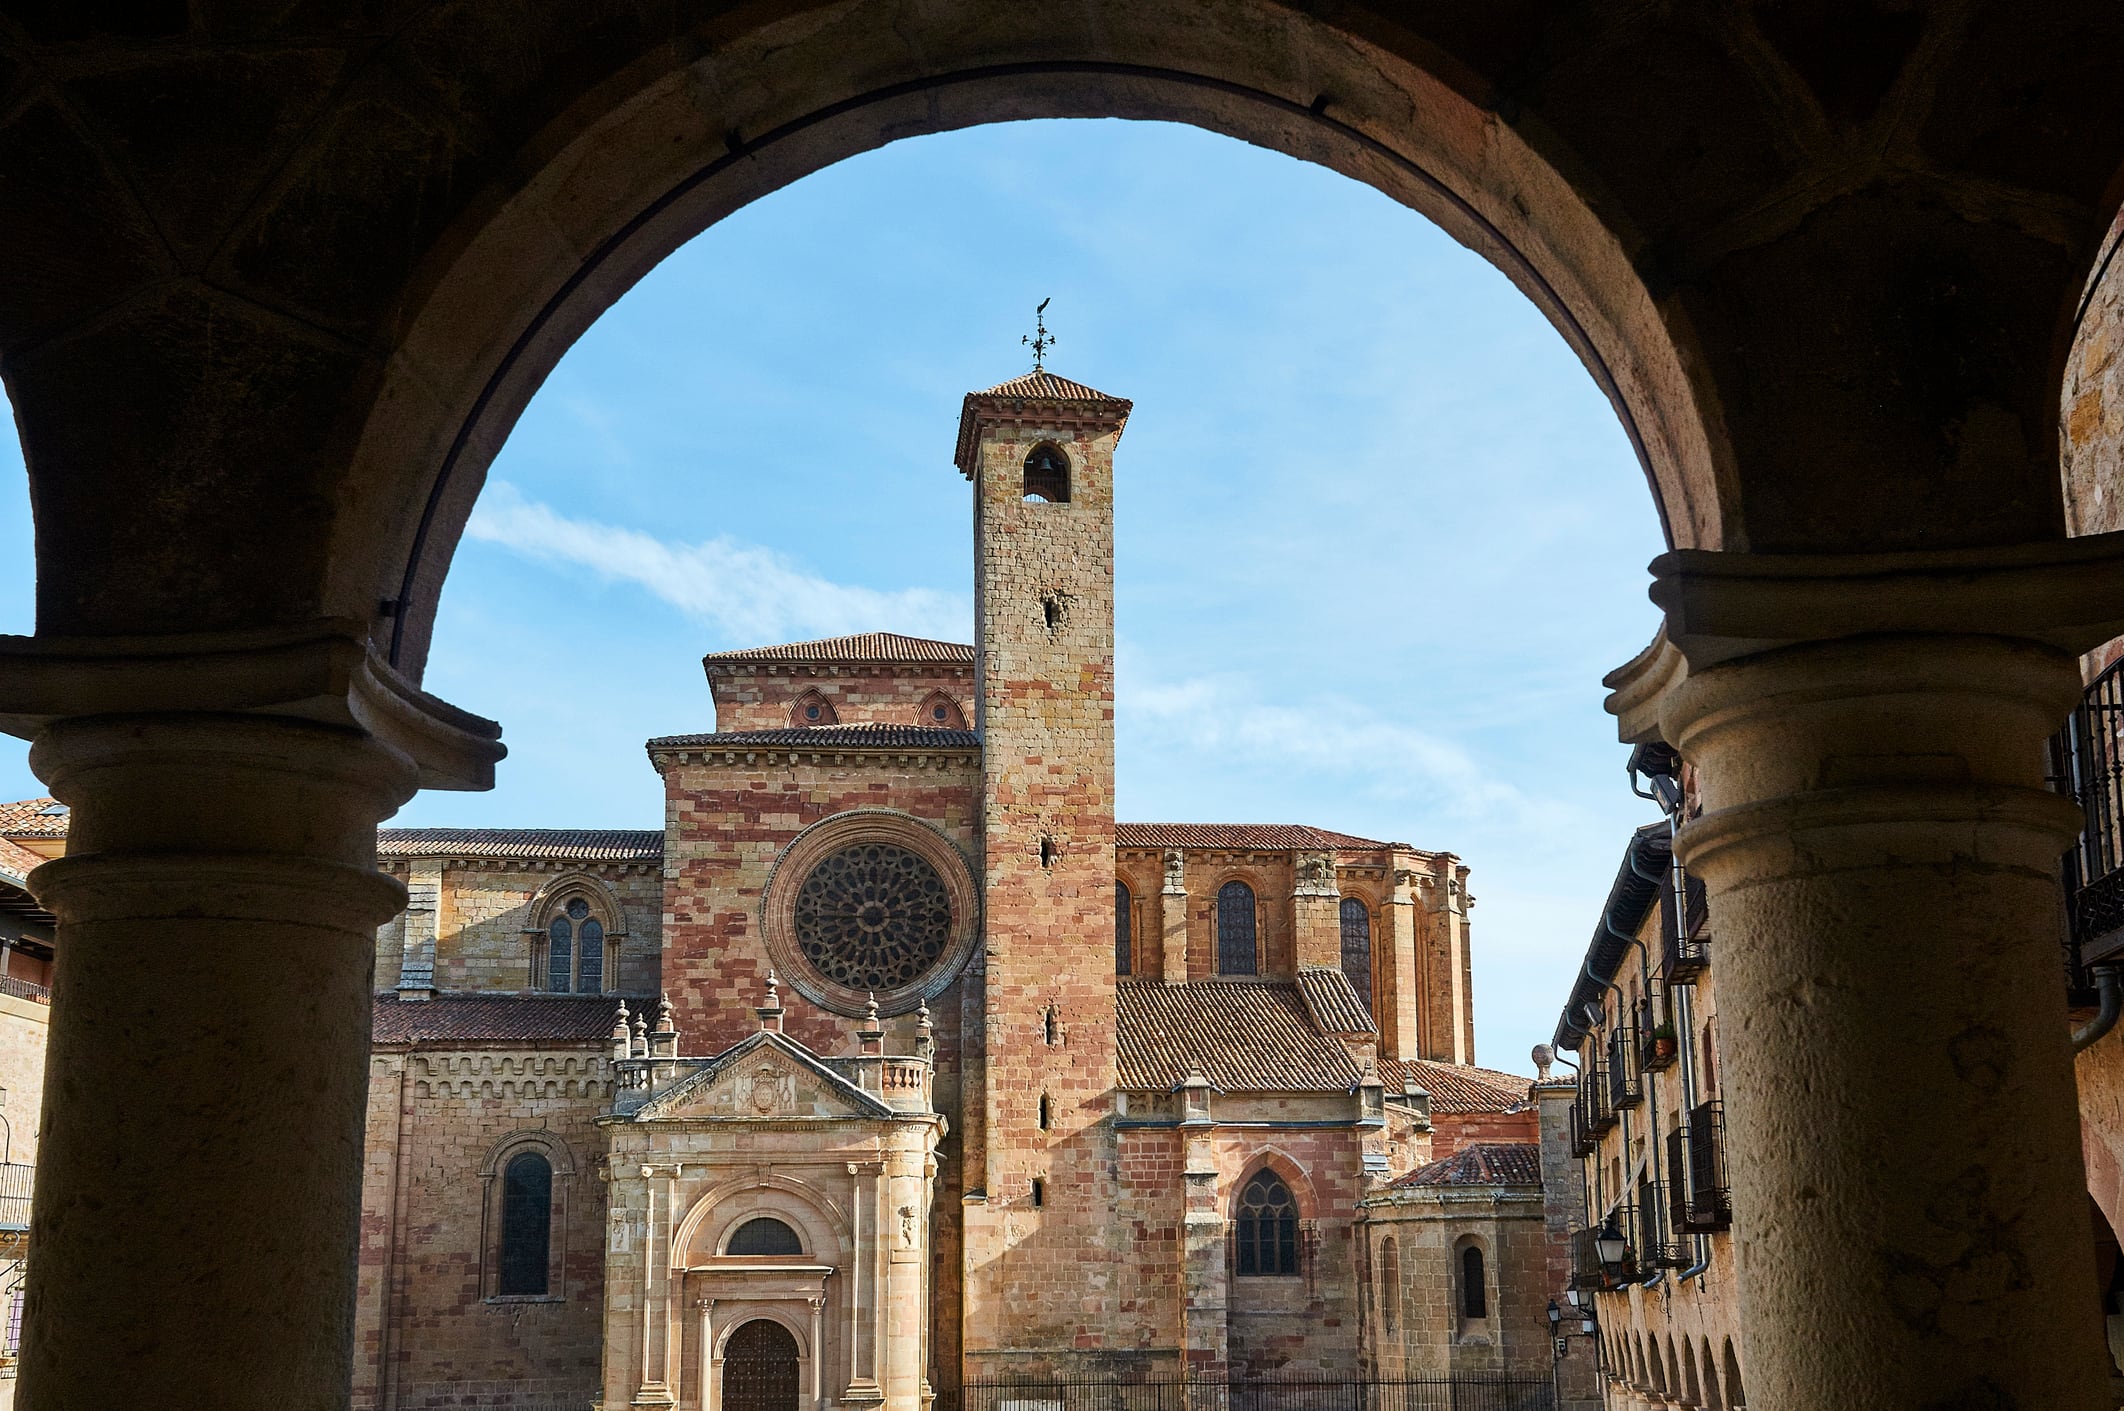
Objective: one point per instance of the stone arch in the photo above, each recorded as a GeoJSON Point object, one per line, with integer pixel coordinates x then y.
{"type": "Point", "coordinates": [953, 717]}
{"type": "Point", "coordinates": [1710, 1372]}
{"type": "Point", "coordinates": [812, 708]}
{"type": "Point", "coordinates": [715, 1215]}
{"type": "Point", "coordinates": [560, 1162]}
{"type": "Point", "coordinates": [1691, 1394]}
{"type": "Point", "coordinates": [782, 1318]}
{"type": "Point", "coordinates": [1286, 1166]}
{"type": "Point", "coordinates": [1736, 1397]}
{"type": "Point", "coordinates": [1657, 1364]}
{"type": "Point", "coordinates": [547, 904]}
{"type": "Point", "coordinates": [677, 138]}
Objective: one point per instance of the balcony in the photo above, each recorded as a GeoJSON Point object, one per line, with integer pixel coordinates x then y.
{"type": "Point", "coordinates": [1656, 1044]}
{"type": "Point", "coordinates": [2087, 765]}
{"type": "Point", "coordinates": [16, 1178]}
{"type": "Point", "coordinates": [1584, 1140]}
{"type": "Point", "coordinates": [1696, 1163]}
{"type": "Point", "coordinates": [1626, 1083]}
{"type": "Point", "coordinates": [1658, 1245]}
{"type": "Point", "coordinates": [1587, 1269]}
{"type": "Point", "coordinates": [1684, 927]}
{"type": "Point", "coordinates": [1599, 1108]}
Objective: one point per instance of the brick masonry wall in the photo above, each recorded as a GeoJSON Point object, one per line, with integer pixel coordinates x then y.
{"type": "Point", "coordinates": [724, 827]}
{"type": "Point", "coordinates": [765, 697]}
{"type": "Point", "coordinates": [430, 1330]}
{"type": "Point", "coordinates": [1451, 1131]}
{"type": "Point", "coordinates": [1042, 1279]}
{"type": "Point", "coordinates": [484, 907]}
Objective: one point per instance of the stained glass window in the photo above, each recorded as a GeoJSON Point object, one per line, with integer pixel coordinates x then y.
{"type": "Point", "coordinates": [1236, 953]}
{"type": "Point", "coordinates": [560, 955]}
{"type": "Point", "coordinates": [1123, 949]}
{"type": "Point", "coordinates": [1267, 1226]}
{"type": "Point", "coordinates": [527, 1224]}
{"type": "Point", "coordinates": [1357, 947]}
{"type": "Point", "coordinates": [873, 917]}
{"type": "Point", "coordinates": [590, 971]}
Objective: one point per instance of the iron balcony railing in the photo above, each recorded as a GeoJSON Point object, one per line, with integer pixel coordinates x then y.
{"type": "Point", "coordinates": [25, 989]}
{"type": "Point", "coordinates": [1588, 1271]}
{"type": "Point", "coordinates": [16, 1178]}
{"type": "Point", "coordinates": [1684, 926]}
{"type": "Point", "coordinates": [1656, 1047]}
{"type": "Point", "coordinates": [1466, 1391]}
{"type": "Point", "coordinates": [1696, 1159]}
{"type": "Point", "coordinates": [1658, 1245]}
{"type": "Point", "coordinates": [1626, 1082]}
{"type": "Point", "coordinates": [1599, 1109]}
{"type": "Point", "coordinates": [2087, 765]}
{"type": "Point", "coordinates": [1584, 1140]}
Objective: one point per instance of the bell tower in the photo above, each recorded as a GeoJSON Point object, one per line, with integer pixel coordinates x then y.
{"type": "Point", "coordinates": [1040, 1268]}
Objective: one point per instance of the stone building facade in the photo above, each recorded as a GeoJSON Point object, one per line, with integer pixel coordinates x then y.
{"type": "Point", "coordinates": [890, 1062]}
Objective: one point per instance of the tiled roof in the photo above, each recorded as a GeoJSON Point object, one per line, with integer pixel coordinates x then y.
{"type": "Point", "coordinates": [1255, 837]}
{"type": "Point", "coordinates": [16, 860]}
{"type": "Point", "coordinates": [561, 844]}
{"type": "Point", "coordinates": [876, 735]}
{"type": "Point", "coordinates": [1456, 1087]}
{"type": "Point", "coordinates": [1482, 1164]}
{"type": "Point", "coordinates": [493, 1019]}
{"type": "Point", "coordinates": [1041, 383]}
{"type": "Point", "coordinates": [862, 646]}
{"type": "Point", "coordinates": [1248, 1035]}
{"type": "Point", "coordinates": [1332, 1001]}
{"type": "Point", "coordinates": [33, 818]}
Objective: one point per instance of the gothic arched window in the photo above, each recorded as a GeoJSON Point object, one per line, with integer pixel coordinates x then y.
{"type": "Point", "coordinates": [1267, 1226]}
{"type": "Point", "coordinates": [1236, 952]}
{"type": "Point", "coordinates": [1390, 1283]}
{"type": "Point", "coordinates": [1047, 474]}
{"type": "Point", "coordinates": [810, 709]}
{"type": "Point", "coordinates": [1124, 947]}
{"type": "Point", "coordinates": [1357, 947]}
{"type": "Point", "coordinates": [764, 1235]}
{"type": "Point", "coordinates": [527, 1224]}
{"type": "Point", "coordinates": [1474, 1287]}
{"type": "Point", "coordinates": [575, 950]}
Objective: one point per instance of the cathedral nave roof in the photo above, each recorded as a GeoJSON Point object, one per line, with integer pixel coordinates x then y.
{"type": "Point", "coordinates": [857, 647]}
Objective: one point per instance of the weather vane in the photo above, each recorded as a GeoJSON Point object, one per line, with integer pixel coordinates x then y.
{"type": "Point", "coordinates": [1041, 340]}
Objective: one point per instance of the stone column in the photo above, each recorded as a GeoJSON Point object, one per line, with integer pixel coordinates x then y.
{"type": "Point", "coordinates": [199, 1186]}
{"type": "Point", "coordinates": [1172, 915]}
{"type": "Point", "coordinates": [1397, 1008]}
{"type": "Point", "coordinates": [1882, 859]}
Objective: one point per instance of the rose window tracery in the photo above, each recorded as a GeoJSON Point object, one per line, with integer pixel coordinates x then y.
{"type": "Point", "coordinates": [874, 916]}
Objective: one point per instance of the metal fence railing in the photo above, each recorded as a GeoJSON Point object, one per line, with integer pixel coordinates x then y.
{"type": "Point", "coordinates": [25, 989]}
{"type": "Point", "coordinates": [1459, 1393]}
{"type": "Point", "coordinates": [16, 1178]}
{"type": "Point", "coordinates": [2087, 765]}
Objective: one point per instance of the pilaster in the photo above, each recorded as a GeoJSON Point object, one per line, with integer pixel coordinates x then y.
{"type": "Point", "coordinates": [1172, 913]}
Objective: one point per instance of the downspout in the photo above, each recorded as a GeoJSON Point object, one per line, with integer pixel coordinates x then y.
{"type": "Point", "coordinates": [1685, 1015]}
{"type": "Point", "coordinates": [2109, 988]}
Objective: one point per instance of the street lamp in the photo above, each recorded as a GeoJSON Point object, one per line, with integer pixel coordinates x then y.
{"type": "Point", "coordinates": [1555, 1313]}
{"type": "Point", "coordinates": [1610, 1244]}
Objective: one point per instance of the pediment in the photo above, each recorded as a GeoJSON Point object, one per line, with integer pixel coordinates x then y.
{"type": "Point", "coordinates": [766, 1078]}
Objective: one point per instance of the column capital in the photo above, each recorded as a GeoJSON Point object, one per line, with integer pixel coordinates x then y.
{"type": "Point", "coordinates": [323, 671]}
{"type": "Point", "coordinates": [2066, 595]}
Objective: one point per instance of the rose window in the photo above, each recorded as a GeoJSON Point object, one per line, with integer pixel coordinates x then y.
{"type": "Point", "coordinates": [873, 917]}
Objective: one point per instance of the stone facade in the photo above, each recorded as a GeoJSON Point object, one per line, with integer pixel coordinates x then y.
{"type": "Point", "coordinates": [1017, 1089]}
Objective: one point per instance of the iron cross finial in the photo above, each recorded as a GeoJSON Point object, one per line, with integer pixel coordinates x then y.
{"type": "Point", "coordinates": [1041, 340]}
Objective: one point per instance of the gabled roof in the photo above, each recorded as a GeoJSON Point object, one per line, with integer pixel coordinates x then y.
{"type": "Point", "coordinates": [1332, 1001]}
{"type": "Point", "coordinates": [873, 735]}
{"type": "Point", "coordinates": [1248, 1036]}
{"type": "Point", "coordinates": [1456, 1087]}
{"type": "Point", "coordinates": [1481, 1164]}
{"type": "Point", "coordinates": [673, 1096]}
{"type": "Point", "coordinates": [859, 647]}
{"type": "Point", "coordinates": [558, 844]}
{"type": "Point", "coordinates": [492, 1019]}
{"type": "Point", "coordinates": [1245, 837]}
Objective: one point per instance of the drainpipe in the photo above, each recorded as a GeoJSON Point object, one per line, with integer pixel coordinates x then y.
{"type": "Point", "coordinates": [2109, 987]}
{"type": "Point", "coordinates": [1669, 800]}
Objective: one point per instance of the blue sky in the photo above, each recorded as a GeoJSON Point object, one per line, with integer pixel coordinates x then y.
{"type": "Point", "coordinates": [1378, 534]}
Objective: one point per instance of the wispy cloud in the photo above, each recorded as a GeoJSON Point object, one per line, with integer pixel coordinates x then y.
{"type": "Point", "coordinates": [750, 592]}
{"type": "Point", "coordinates": [1329, 735]}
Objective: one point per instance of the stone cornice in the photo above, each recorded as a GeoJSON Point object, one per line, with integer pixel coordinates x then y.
{"type": "Point", "coordinates": [880, 757]}
{"type": "Point", "coordinates": [787, 667]}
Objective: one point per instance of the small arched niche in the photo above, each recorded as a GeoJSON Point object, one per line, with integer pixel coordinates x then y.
{"type": "Point", "coordinates": [1047, 474]}
{"type": "Point", "coordinates": [940, 712]}
{"type": "Point", "coordinates": [811, 708]}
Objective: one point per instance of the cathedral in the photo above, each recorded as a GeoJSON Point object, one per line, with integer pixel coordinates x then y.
{"type": "Point", "coordinates": [891, 1064]}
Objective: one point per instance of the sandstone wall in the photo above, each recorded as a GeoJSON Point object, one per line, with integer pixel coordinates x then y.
{"type": "Point", "coordinates": [431, 1329]}
{"type": "Point", "coordinates": [765, 697]}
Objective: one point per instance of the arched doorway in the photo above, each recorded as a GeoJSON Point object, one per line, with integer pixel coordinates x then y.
{"type": "Point", "coordinates": [760, 1368]}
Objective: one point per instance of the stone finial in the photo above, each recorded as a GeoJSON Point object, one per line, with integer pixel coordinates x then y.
{"type": "Point", "coordinates": [641, 1036]}
{"type": "Point", "coordinates": [771, 1012]}
{"type": "Point", "coordinates": [1544, 1060]}
{"type": "Point", "coordinates": [1175, 872]}
{"type": "Point", "coordinates": [870, 1010]}
{"type": "Point", "coordinates": [870, 1038]}
{"type": "Point", "coordinates": [620, 1031]}
{"type": "Point", "coordinates": [663, 1014]}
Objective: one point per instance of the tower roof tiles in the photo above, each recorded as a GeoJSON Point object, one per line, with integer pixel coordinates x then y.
{"type": "Point", "coordinates": [1481, 1164]}
{"type": "Point", "coordinates": [1245, 837]}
